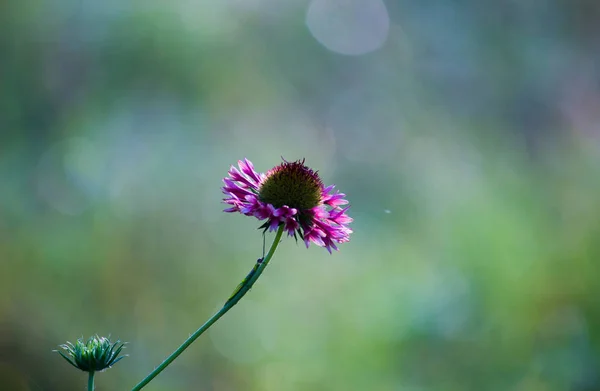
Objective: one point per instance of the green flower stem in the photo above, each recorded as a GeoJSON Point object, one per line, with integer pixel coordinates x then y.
{"type": "Point", "coordinates": [91, 380]}
{"type": "Point", "coordinates": [245, 287]}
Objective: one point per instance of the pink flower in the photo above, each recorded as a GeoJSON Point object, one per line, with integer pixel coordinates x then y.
{"type": "Point", "coordinates": [293, 195]}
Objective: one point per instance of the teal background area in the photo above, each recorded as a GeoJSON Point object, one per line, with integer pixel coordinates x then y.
{"type": "Point", "coordinates": [465, 134]}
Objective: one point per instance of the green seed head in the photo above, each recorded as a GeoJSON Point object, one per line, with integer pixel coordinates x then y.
{"type": "Point", "coordinates": [95, 354]}
{"type": "Point", "coordinates": [292, 184]}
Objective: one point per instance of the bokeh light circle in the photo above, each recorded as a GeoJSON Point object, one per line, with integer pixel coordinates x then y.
{"type": "Point", "coordinates": [350, 27]}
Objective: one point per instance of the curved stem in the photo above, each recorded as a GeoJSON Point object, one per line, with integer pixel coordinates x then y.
{"type": "Point", "coordinates": [91, 381]}
{"type": "Point", "coordinates": [245, 287]}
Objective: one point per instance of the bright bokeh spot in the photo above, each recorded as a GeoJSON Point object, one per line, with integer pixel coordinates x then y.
{"type": "Point", "coordinates": [352, 27]}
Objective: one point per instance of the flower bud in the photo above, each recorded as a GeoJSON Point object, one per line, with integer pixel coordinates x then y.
{"type": "Point", "coordinates": [96, 354]}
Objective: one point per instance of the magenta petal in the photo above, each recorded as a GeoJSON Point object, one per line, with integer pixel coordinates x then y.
{"type": "Point", "coordinates": [274, 224]}
{"type": "Point", "coordinates": [317, 240]}
{"type": "Point", "coordinates": [291, 226]}
{"type": "Point", "coordinates": [264, 211]}
{"type": "Point", "coordinates": [248, 169]}
{"type": "Point", "coordinates": [328, 189]}
{"type": "Point", "coordinates": [285, 212]}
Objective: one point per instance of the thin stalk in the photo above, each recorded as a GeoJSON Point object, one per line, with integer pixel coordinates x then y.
{"type": "Point", "coordinates": [246, 285]}
{"type": "Point", "coordinates": [91, 380]}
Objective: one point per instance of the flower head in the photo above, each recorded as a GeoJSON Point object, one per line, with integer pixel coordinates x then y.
{"type": "Point", "coordinates": [96, 354]}
{"type": "Point", "coordinates": [293, 195]}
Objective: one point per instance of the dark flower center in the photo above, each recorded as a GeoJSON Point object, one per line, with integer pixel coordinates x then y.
{"type": "Point", "coordinates": [292, 184]}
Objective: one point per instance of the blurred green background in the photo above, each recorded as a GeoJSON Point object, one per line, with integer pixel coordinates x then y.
{"type": "Point", "coordinates": [466, 135]}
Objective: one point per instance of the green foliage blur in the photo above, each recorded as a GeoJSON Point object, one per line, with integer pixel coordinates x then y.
{"type": "Point", "coordinates": [465, 134]}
